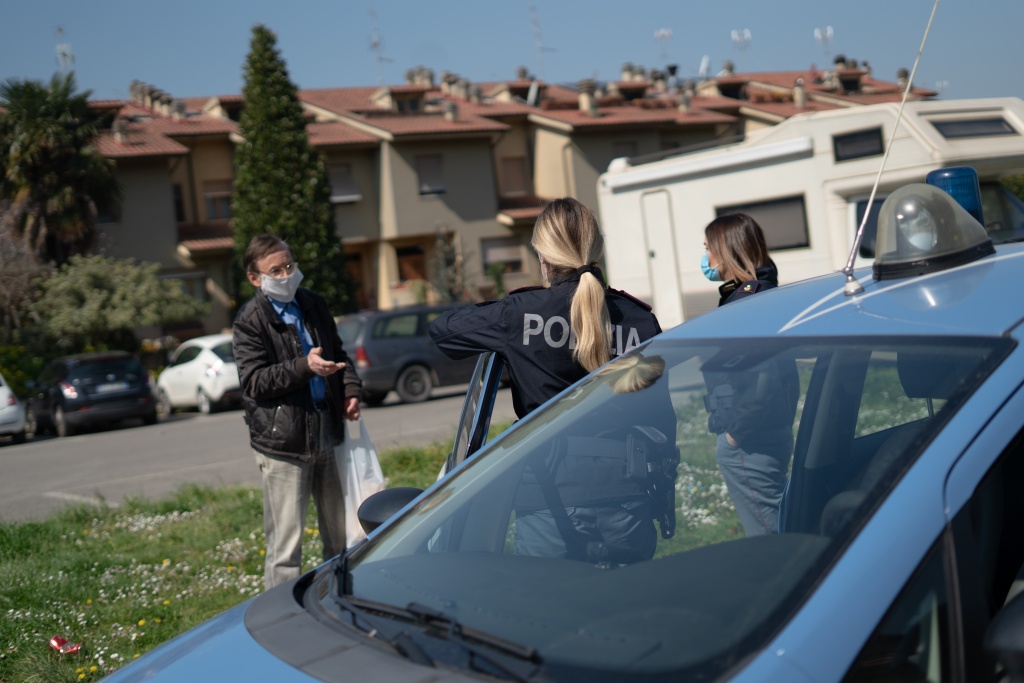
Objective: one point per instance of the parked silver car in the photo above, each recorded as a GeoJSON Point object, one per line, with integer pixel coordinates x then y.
{"type": "Point", "coordinates": [12, 413]}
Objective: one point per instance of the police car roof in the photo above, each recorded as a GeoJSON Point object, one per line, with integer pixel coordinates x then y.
{"type": "Point", "coordinates": [979, 298]}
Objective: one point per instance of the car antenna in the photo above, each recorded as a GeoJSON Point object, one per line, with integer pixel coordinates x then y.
{"type": "Point", "coordinates": [852, 286]}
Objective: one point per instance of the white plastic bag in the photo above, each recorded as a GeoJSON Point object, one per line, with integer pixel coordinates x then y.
{"type": "Point", "coordinates": [360, 475]}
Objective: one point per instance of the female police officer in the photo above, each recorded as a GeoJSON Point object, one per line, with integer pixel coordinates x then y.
{"type": "Point", "coordinates": [549, 337]}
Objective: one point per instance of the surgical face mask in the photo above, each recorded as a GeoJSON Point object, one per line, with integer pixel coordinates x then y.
{"type": "Point", "coordinates": [709, 272]}
{"type": "Point", "coordinates": [281, 288]}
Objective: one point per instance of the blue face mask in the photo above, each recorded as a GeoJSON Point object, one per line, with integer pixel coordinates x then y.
{"type": "Point", "coordinates": [709, 272]}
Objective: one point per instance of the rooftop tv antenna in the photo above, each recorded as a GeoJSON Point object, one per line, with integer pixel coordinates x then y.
{"type": "Point", "coordinates": [823, 36]}
{"type": "Point", "coordinates": [65, 58]}
{"type": "Point", "coordinates": [705, 64]}
{"type": "Point", "coordinates": [377, 47]}
{"type": "Point", "coordinates": [538, 40]}
{"type": "Point", "coordinates": [741, 38]}
{"type": "Point", "coordinates": [663, 36]}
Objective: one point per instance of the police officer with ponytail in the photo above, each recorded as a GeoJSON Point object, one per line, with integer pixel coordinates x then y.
{"type": "Point", "coordinates": [549, 337]}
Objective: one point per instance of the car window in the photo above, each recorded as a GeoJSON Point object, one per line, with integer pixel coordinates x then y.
{"type": "Point", "coordinates": [912, 643]}
{"type": "Point", "coordinates": [97, 370]}
{"type": "Point", "coordinates": [186, 354]}
{"type": "Point", "coordinates": [348, 329]}
{"type": "Point", "coordinates": [723, 580]}
{"type": "Point", "coordinates": [224, 351]}
{"type": "Point", "coordinates": [397, 326]}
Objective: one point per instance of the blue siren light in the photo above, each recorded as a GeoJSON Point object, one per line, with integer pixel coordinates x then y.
{"type": "Point", "coordinates": [922, 229]}
{"type": "Point", "coordinates": [961, 183]}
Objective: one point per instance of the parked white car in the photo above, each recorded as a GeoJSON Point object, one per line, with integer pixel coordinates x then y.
{"type": "Point", "coordinates": [202, 374]}
{"type": "Point", "coordinates": [12, 413]}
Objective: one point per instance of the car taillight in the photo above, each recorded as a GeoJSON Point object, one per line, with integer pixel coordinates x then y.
{"type": "Point", "coordinates": [68, 390]}
{"type": "Point", "coordinates": [11, 401]}
{"type": "Point", "coordinates": [362, 360]}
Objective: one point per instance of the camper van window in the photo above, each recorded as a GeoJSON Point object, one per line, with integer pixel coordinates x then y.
{"type": "Point", "coordinates": [974, 128]}
{"type": "Point", "coordinates": [864, 143]}
{"type": "Point", "coordinates": [783, 220]}
{"type": "Point", "coordinates": [1003, 211]}
{"type": "Point", "coordinates": [867, 243]}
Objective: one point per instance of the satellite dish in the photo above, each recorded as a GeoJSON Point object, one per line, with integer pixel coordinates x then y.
{"type": "Point", "coordinates": [705, 64]}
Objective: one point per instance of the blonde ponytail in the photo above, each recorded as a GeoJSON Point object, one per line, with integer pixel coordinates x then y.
{"type": "Point", "coordinates": [588, 316]}
{"type": "Point", "coordinates": [566, 235]}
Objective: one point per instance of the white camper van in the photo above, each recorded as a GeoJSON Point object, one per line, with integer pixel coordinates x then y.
{"type": "Point", "coordinates": [807, 182]}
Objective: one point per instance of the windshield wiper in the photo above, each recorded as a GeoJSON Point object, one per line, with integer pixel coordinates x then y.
{"type": "Point", "coordinates": [522, 665]}
{"type": "Point", "coordinates": [494, 655]}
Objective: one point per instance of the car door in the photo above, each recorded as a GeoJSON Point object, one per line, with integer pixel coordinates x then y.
{"type": "Point", "coordinates": [180, 377]}
{"type": "Point", "coordinates": [475, 419]}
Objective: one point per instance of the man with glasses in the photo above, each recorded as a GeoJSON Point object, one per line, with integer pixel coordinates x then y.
{"type": "Point", "coordinates": [298, 387]}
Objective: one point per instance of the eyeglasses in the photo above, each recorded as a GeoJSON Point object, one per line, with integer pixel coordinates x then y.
{"type": "Point", "coordinates": [282, 271]}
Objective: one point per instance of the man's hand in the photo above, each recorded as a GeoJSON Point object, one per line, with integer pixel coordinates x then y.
{"type": "Point", "coordinates": [732, 442]}
{"type": "Point", "coordinates": [352, 408]}
{"type": "Point", "coordinates": [320, 366]}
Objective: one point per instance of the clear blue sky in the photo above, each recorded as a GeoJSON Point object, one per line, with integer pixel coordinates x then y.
{"type": "Point", "coordinates": [193, 48]}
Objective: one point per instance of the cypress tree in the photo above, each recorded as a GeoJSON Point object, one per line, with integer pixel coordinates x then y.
{"type": "Point", "coordinates": [281, 184]}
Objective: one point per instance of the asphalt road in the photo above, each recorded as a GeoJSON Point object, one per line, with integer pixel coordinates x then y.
{"type": "Point", "coordinates": [47, 473]}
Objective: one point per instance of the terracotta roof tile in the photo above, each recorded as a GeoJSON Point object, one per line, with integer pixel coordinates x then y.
{"type": "Point", "coordinates": [339, 99]}
{"type": "Point", "coordinates": [636, 115]}
{"type": "Point", "coordinates": [205, 237]}
{"type": "Point", "coordinates": [141, 141]}
{"type": "Point", "coordinates": [429, 124]}
{"type": "Point", "coordinates": [330, 134]}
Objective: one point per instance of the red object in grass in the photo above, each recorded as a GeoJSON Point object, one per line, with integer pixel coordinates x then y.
{"type": "Point", "coordinates": [62, 646]}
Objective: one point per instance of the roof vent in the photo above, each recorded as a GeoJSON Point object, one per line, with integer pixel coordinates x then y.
{"type": "Point", "coordinates": [587, 101]}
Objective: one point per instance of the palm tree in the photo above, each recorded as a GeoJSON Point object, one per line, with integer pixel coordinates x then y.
{"type": "Point", "coordinates": [52, 175]}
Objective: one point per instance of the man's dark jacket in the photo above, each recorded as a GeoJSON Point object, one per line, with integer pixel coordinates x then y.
{"type": "Point", "coordinates": [275, 374]}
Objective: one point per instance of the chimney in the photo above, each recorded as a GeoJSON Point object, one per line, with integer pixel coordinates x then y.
{"type": "Point", "coordinates": [165, 104]}
{"type": "Point", "coordinates": [475, 93]}
{"type": "Point", "coordinates": [686, 98]}
{"type": "Point", "coordinates": [428, 77]}
{"type": "Point", "coordinates": [902, 76]}
{"type": "Point", "coordinates": [451, 110]}
{"type": "Point", "coordinates": [627, 72]}
{"type": "Point", "coordinates": [447, 78]}
{"type": "Point", "coordinates": [120, 128]}
{"type": "Point", "coordinates": [799, 94]}
{"type": "Point", "coordinates": [522, 74]}
{"type": "Point", "coordinates": [588, 105]}
{"type": "Point", "coordinates": [673, 81]}
{"type": "Point", "coordinates": [462, 89]}
{"type": "Point", "coordinates": [658, 78]}
{"type": "Point", "coordinates": [410, 77]}
{"type": "Point", "coordinates": [728, 68]}
{"type": "Point", "coordinates": [178, 109]}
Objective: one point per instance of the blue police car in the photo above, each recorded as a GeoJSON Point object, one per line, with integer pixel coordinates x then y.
{"type": "Point", "coordinates": [895, 547]}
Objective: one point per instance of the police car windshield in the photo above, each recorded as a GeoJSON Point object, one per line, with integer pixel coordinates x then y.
{"type": "Point", "coordinates": [839, 418]}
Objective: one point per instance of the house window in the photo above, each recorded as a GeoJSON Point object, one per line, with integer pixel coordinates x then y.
{"type": "Point", "coordinates": [784, 221]}
{"type": "Point", "coordinates": [343, 185]}
{"type": "Point", "coordinates": [179, 203]}
{"type": "Point", "coordinates": [504, 251]}
{"type": "Point", "coordinates": [431, 173]}
{"type": "Point", "coordinates": [412, 263]}
{"type": "Point", "coordinates": [514, 178]}
{"type": "Point", "coordinates": [217, 196]}
{"type": "Point", "coordinates": [864, 143]}
{"type": "Point", "coordinates": [623, 149]}
{"type": "Point", "coordinates": [192, 283]}
{"type": "Point", "coordinates": [111, 213]}
{"type": "Point", "coordinates": [974, 128]}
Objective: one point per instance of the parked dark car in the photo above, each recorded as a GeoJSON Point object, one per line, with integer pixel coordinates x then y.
{"type": "Point", "coordinates": [392, 350]}
{"type": "Point", "coordinates": [88, 390]}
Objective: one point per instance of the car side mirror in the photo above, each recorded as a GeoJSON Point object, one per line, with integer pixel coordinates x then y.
{"type": "Point", "coordinates": [1005, 638]}
{"type": "Point", "coordinates": [382, 506]}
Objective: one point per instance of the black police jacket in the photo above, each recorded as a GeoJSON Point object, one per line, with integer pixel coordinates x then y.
{"type": "Point", "coordinates": [767, 278]}
{"type": "Point", "coordinates": [274, 374]}
{"type": "Point", "coordinates": [529, 330]}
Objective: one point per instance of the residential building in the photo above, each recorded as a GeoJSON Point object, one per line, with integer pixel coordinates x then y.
{"type": "Point", "coordinates": [435, 183]}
